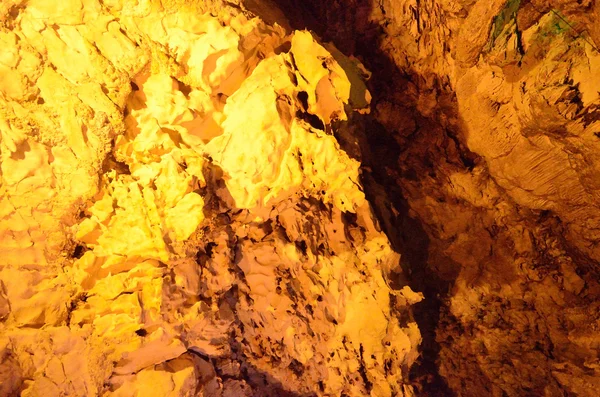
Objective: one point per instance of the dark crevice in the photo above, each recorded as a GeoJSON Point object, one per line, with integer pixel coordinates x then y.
{"type": "Point", "coordinates": [387, 165]}
{"type": "Point", "coordinates": [362, 370]}
{"type": "Point", "coordinates": [184, 88]}
{"type": "Point", "coordinates": [303, 97]}
{"type": "Point", "coordinates": [314, 121]}
{"type": "Point", "coordinates": [141, 332]}
{"type": "Point", "coordinates": [78, 251]}
{"type": "Point", "coordinates": [111, 163]}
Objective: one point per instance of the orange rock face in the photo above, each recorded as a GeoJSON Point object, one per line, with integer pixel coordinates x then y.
{"type": "Point", "coordinates": [481, 161]}
{"type": "Point", "coordinates": [240, 198]}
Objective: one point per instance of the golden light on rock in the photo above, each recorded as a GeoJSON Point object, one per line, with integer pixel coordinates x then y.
{"type": "Point", "coordinates": [177, 218]}
{"type": "Point", "coordinates": [299, 198]}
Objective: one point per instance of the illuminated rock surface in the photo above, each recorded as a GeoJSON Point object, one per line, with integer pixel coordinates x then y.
{"type": "Point", "coordinates": [178, 219]}
{"type": "Point", "coordinates": [481, 160]}
{"type": "Point", "coordinates": [196, 201]}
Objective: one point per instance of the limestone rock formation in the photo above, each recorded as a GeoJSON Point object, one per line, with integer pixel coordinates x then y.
{"type": "Point", "coordinates": [177, 218]}
{"type": "Point", "coordinates": [299, 197]}
{"type": "Point", "coordinates": [481, 161]}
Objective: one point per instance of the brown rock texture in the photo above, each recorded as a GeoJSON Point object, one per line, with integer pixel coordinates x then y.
{"type": "Point", "coordinates": [481, 159]}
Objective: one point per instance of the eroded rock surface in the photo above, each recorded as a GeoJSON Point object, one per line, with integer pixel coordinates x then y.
{"type": "Point", "coordinates": [481, 159]}
{"type": "Point", "coordinates": [186, 209]}
{"type": "Point", "coordinates": [178, 219]}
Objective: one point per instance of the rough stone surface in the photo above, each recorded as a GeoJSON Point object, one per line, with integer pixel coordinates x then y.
{"type": "Point", "coordinates": [177, 218]}
{"type": "Point", "coordinates": [481, 160]}
{"type": "Point", "coordinates": [187, 193]}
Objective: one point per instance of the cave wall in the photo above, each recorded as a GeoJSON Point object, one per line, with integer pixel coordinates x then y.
{"type": "Point", "coordinates": [477, 159]}
{"type": "Point", "coordinates": [176, 215]}
{"type": "Point", "coordinates": [481, 158]}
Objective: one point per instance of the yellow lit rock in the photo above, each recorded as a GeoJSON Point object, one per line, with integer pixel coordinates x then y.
{"type": "Point", "coordinates": [185, 216]}
{"type": "Point", "coordinates": [175, 208]}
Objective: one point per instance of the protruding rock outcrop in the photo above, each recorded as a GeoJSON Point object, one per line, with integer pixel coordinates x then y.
{"type": "Point", "coordinates": [177, 216]}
